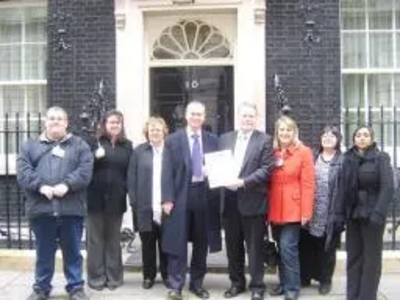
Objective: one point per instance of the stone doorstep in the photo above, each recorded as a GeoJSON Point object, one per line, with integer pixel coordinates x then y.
{"type": "Point", "coordinates": [24, 260]}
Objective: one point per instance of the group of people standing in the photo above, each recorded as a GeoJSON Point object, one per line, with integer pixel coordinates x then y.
{"type": "Point", "coordinates": [308, 198]}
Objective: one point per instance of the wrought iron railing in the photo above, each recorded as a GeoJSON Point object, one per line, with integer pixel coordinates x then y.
{"type": "Point", "coordinates": [16, 128]}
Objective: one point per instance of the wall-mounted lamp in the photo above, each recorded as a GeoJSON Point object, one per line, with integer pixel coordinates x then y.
{"type": "Point", "coordinates": [310, 12]}
{"type": "Point", "coordinates": [310, 36]}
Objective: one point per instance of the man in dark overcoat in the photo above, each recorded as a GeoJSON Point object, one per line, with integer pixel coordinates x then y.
{"type": "Point", "coordinates": [190, 214]}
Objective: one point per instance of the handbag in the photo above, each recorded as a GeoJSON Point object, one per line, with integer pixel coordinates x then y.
{"type": "Point", "coordinates": [271, 255]}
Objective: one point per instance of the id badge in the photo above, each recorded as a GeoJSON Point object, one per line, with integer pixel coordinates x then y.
{"type": "Point", "coordinates": [57, 151]}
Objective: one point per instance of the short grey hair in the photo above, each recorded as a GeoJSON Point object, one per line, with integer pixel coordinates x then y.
{"type": "Point", "coordinates": [246, 104]}
{"type": "Point", "coordinates": [57, 109]}
{"type": "Point", "coordinates": [195, 102]}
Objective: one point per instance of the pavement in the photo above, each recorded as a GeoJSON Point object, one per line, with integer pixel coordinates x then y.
{"type": "Point", "coordinates": [15, 285]}
{"type": "Point", "coordinates": [16, 277]}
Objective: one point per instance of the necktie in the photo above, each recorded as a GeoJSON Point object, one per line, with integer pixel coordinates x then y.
{"type": "Point", "coordinates": [197, 160]}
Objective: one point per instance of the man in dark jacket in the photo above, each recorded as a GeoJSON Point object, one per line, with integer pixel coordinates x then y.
{"type": "Point", "coordinates": [245, 202]}
{"type": "Point", "coordinates": [54, 171]}
{"type": "Point", "coordinates": [191, 214]}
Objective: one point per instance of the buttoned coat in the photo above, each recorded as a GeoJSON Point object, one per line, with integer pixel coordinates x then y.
{"type": "Point", "coordinates": [292, 186]}
{"type": "Point", "coordinates": [177, 177]}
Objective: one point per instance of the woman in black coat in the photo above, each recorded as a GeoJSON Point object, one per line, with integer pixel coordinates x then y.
{"type": "Point", "coordinates": [366, 191]}
{"type": "Point", "coordinates": [318, 240]}
{"type": "Point", "coordinates": [106, 203]}
{"type": "Point", "coordinates": [144, 185]}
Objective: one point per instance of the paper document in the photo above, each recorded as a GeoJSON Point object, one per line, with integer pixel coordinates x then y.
{"type": "Point", "coordinates": [221, 167]}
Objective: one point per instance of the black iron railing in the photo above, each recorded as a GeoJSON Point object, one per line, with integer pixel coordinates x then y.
{"type": "Point", "coordinates": [16, 128]}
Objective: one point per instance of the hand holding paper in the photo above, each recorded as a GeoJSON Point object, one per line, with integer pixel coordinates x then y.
{"type": "Point", "coordinates": [235, 184]}
{"type": "Point", "coordinates": [222, 169]}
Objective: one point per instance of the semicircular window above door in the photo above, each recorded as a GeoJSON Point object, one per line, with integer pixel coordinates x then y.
{"type": "Point", "coordinates": [191, 39]}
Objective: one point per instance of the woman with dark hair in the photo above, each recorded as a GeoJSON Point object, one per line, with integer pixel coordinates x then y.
{"type": "Point", "coordinates": [106, 203]}
{"type": "Point", "coordinates": [366, 189]}
{"type": "Point", "coordinates": [145, 193]}
{"type": "Point", "coordinates": [318, 239]}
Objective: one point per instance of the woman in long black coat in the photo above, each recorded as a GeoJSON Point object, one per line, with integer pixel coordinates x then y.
{"type": "Point", "coordinates": [366, 191]}
{"type": "Point", "coordinates": [106, 203]}
{"type": "Point", "coordinates": [145, 193]}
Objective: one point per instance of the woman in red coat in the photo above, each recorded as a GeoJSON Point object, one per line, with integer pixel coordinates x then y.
{"type": "Point", "coordinates": [291, 199]}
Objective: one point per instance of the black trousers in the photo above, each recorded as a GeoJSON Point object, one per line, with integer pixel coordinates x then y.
{"type": "Point", "coordinates": [364, 242]}
{"type": "Point", "coordinates": [316, 262]}
{"type": "Point", "coordinates": [196, 229]}
{"type": "Point", "coordinates": [240, 230]}
{"type": "Point", "coordinates": [151, 243]}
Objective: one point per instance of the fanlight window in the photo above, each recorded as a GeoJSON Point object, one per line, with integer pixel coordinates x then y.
{"type": "Point", "coordinates": [191, 40]}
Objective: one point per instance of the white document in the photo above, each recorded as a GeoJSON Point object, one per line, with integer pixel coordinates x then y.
{"type": "Point", "coordinates": [221, 168]}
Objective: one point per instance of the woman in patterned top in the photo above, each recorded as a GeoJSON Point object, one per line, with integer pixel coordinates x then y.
{"type": "Point", "coordinates": [318, 240]}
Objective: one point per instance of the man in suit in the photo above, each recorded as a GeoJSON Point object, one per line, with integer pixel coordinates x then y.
{"type": "Point", "coordinates": [190, 214]}
{"type": "Point", "coordinates": [245, 203]}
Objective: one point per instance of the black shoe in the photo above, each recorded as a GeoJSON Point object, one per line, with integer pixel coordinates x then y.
{"type": "Point", "coordinates": [233, 291]}
{"type": "Point", "coordinates": [305, 282]}
{"type": "Point", "coordinates": [36, 295]}
{"type": "Point", "coordinates": [78, 294]}
{"type": "Point", "coordinates": [147, 284]}
{"type": "Point", "coordinates": [291, 295]}
{"type": "Point", "coordinates": [112, 287]}
{"type": "Point", "coordinates": [96, 287]}
{"type": "Point", "coordinates": [200, 292]}
{"type": "Point", "coordinates": [277, 291]}
{"type": "Point", "coordinates": [257, 296]}
{"type": "Point", "coordinates": [166, 283]}
{"type": "Point", "coordinates": [324, 288]}
{"type": "Point", "coordinates": [175, 295]}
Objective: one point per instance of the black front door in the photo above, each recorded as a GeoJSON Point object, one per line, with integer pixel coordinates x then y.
{"type": "Point", "coordinates": [172, 88]}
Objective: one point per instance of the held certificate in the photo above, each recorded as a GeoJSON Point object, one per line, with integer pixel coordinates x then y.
{"type": "Point", "coordinates": [221, 167]}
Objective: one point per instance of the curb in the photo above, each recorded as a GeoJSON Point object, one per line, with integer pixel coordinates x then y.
{"type": "Point", "coordinates": [24, 260]}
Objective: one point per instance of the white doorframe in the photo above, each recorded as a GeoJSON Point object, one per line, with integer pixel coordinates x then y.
{"type": "Point", "coordinates": [247, 39]}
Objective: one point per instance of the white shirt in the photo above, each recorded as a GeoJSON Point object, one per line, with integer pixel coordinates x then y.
{"type": "Point", "coordinates": [190, 134]}
{"type": "Point", "coordinates": [239, 152]}
{"type": "Point", "coordinates": [156, 192]}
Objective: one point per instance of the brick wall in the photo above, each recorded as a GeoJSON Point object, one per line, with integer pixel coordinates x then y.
{"type": "Point", "coordinates": [309, 76]}
{"type": "Point", "coordinates": [74, 71]}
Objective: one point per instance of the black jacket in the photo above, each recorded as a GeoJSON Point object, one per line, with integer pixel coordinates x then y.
{"type": "Point", "coordinates": [108, 191]}
{"type": "Point", "coordinates": [140, 185]}
{"type": "Point", "coordinates": [366, 186]}
{"type": "Point", "coordinates": [256, 170]}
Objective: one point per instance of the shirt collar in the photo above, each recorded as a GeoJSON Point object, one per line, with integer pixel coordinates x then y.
{"type": "Point", "coordinates": [43, 138]}
{"type": "Point", "coordinates": [190, 132]}
{"type": "Point", "coordinates": [245, 136]}
{"type": "Point", "coordinates": [157, 149]}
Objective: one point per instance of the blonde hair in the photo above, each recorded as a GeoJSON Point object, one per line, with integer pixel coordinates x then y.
{"type": "Point", "coordinates": [289, 122]}
{"type": "Point", "coordinates": [154, 120]}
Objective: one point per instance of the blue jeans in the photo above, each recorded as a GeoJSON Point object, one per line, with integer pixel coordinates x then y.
{"type": "Point", "coordinates": [287, 236]}
{"type": "Point", "coordinates": [50, 232]}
